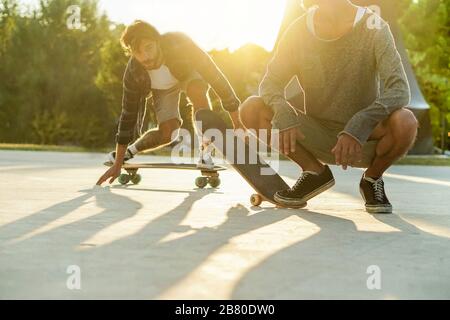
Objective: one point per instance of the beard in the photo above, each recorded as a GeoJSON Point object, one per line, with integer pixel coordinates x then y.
{"type": "Point", "coordinates": [154, 63]}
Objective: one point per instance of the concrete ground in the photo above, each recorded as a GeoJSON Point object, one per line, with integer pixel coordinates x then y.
{"type": "Point", "coordinates": [163, 239]}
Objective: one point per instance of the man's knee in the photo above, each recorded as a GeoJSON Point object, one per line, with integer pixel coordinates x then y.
{"type": "Point", "coordinates": [403, 124]}
{"type": "Point", "coordinates": [252, 109]}
{"type": "Point", "coordinates": [169, 131]}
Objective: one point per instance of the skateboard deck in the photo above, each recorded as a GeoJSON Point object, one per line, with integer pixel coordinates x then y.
{"type": "Point", "coordinates": [210, 177]}
{"type": "Point", "coordinates": [266, 185]}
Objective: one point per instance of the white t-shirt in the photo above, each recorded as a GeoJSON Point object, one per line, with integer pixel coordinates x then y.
{"type": "Point", "coordinates": [162, 78]}
{"type": "Point", "coordinates": [312, 11]}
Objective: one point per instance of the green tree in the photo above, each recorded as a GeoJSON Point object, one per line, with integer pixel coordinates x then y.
{"type": "Point", "coordinates": [49, 93]}
{"type": "Point", "coordinates": [426, 29]}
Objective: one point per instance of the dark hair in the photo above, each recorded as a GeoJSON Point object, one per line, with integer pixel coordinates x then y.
{"type": "Point", "coordinates": [136, 32]}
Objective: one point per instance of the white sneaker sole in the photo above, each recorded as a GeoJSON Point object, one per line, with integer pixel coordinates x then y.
{"type": "Point", "coordinates": [376, 209]}
{"type": "Point", "coordinates": [379, 210]}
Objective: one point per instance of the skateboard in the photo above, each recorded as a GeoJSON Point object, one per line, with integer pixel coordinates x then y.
{"type": "Point", "coordinates": [265, 185]}
{"type": "Point", "coordinates": [210, 177]}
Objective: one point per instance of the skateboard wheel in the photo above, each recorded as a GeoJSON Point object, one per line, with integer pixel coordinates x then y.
{"type": "Point", "coordinates": [135, 179]}
{"type": "Point", "coordinates": [214, 182]}
{"type": "Point", "coordinates": [201, 182]}
{"type": "Point", "coordinates": [256, 200]}
{"type": "Point", "coordinates": [124, 178]}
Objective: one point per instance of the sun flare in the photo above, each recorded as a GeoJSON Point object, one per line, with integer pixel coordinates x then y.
{"type": "Point", "coordinates": [212, 23]}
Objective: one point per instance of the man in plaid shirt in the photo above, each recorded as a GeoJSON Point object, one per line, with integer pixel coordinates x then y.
{"type": "Point", "coordinates": [163, 66]}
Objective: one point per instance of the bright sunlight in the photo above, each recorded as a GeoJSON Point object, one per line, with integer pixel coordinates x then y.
{"type": "Point", "coordinates": [214, 24]}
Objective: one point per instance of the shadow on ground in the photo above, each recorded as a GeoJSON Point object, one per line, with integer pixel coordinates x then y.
{"type": "Point", "coordinates": [330, 263]}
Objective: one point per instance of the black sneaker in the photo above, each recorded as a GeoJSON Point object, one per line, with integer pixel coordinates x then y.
{"type": "Point", "coordinates": [307, 187]}
{"type": "Point", "coordinates": [373, 193]}
{"type": "Point", "coordinates": [112, 156]}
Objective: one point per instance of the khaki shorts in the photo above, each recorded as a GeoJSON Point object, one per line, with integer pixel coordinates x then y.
{"type": "Point", "coordinates": [166, 102]}
{"type": "Point", "coordinates": [321, 137]}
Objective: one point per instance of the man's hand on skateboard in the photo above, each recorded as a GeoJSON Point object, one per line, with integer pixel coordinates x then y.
{"type": "Point", "coordinates": [348, 151]}
{"type": "Point", "coordinates": [288, 140]}
{"type": "Point", "coordinates": [111, 174]}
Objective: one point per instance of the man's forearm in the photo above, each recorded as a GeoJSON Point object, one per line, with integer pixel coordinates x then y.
{"type": "Point", "coordinates": [120, 154]}
{"type": "Point", "coordinates": [280, 71]}
{"type": "Point", "coordinates": [212, 74]}
{"type": "Point", "coordinates": [132, 100]}
{"type": "Point", "coordinates": [217, 80]}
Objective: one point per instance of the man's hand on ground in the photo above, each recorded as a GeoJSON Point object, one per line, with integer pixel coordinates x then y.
{"type": "Point", "coordinates": [348, 151]}
{"type": "Point", "coordinates": [111, 174]}
{"type": "Point", "coordinates": [288, 140]}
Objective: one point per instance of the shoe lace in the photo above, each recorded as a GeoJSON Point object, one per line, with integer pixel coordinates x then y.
{"type": "Point", "coordinates": [378, 188]}
{"type": "Point", "coordinates": [300, 180]}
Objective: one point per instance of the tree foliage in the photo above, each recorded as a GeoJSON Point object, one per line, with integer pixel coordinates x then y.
{"type": "Point", "coordinates": [426, 30]}
{"type": "Point", "coordinates": [52, 89]}
{"type": "Point", "coordinates": [63, 85]}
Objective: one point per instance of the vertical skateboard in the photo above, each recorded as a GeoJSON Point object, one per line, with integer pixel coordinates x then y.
{"type": "Point", "coordinates": [254, 172]}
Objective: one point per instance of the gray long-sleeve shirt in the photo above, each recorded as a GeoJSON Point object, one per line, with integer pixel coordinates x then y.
{"type": "Point", "coordinates": [354, 82]}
